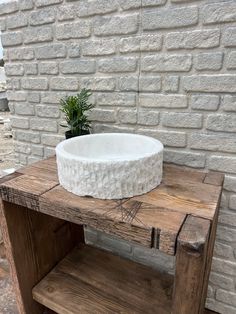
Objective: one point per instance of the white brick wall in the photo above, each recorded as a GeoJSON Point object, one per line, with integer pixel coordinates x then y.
{"type": "Point", "coordinates": [165, 68]}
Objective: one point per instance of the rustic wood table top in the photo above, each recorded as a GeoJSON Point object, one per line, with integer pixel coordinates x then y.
{"type": "Point", "coordinates": [153, 219]}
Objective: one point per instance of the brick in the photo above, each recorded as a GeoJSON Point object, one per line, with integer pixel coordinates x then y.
{"type": "Point", "coordinates": [99, 83]}
{"type": "Point", "coordinates": [64, 83]}
{"type": "Point", "coordinates": [170, 18]}
{"type": "Point", "coordinates": [141, 43]}
{"type": "Point", "coordinates": [127, 116]}
{"type": "Point", "coordinates": [150, 3]}
{"type": "Point", "coordinates": [209, 61]}
{"type": "Point", "coordinates": [222, 163]}
{"type": "Point", "coordinates": [102, 115]}
{"type": "Point", "coordinates": [94, 7]}
{"type": "Point", "coordinates": [31, 68]}
{"type": "Point", "coordinates": [114, 244]}
{"type": "Point", "coordinates": [38, 34]}
{"type": "Point", "coordinates": [196, 160]}
{"type": "Point", "coordinates": [19, 122]}
{"type": "Point", "coordinates": [230, 183]}
{"type": "Point", "coordinates": [117, 64]}
{"type": "Point", "coordinates": [16, 95]}
{"type": "Point", "coordinates": [23, 148]}
{"type": "Point", "coordinates": [221, 281]}
{"type": "Point", "coordinates": [19, 20]}
{"type": "Point", "coordinates": [193, 39]}
{"type": "Point", "coordinates": [14, 69]}
{"type": "Point", "coordinates": [162, 101]}
{"type": "Point", "coordinates": [52, 97]}
{"type": "Point", "coordinates": [11, 39]}
{"type": "Point", "coordinates": [43, 3]}
{"type": "Point", "coordinates": [34, 83]}
{"type": "Point", "coordinates": [49, 68]}
{"type": "Point", "coordinates": [229, 103]}
{"type": "Point", "coordinates": [134, 4]}
{"type": "Point", "coordinates": [153, 258]}
{"type": "Point", "coordinates": [39, 124]}
{"type": "Point", "coordinates": [229, 37]}
{"type": "Point", "coordinates": [227, 218]}
{"type": "Point", "coordinates": [49, 151]}
{"type": "Point", "coordinates": [231, 61]}
{"type": "Point", "coordinates": [171, 84]}
{"type": "Point", "coordinates": [223, 250]}
{"type": "Point", "coordinates": [33, 97]}
{"type": "Point", "coordinates": [16, 54]}
{"type": "Point", "coordinates": [73, 50]}
{"type": "Point", "coordinates": [51, 139]}
{"type": "Point", "coordinates": [28, 136]}
{"type": "Point", "coordinates": [99, 47]}
{"type": "Point", "coordinates": [50, 51]}
{"type": "Point", "coordinates": [43, 16]}
{"type": "Point", "coordinates": [130, 4]}
{"type": "Point", "coordinates": [128, 83]}
{"type": "Point", "coordinates": [80, 29]}
{"type": "Point", "coordinates": [37, 150]}
{"type": "Point", "coordinates": [219, 13]}
{"type": "Point", "coordinates": [168, 138]}
{"type": "Point", "coordinates": [24, 109]}
{"type": "Point", "coordinates": [118, 25]}
{"type": "Point", "coordinates": [149, 83]}
{"type": "Point", "coordinates": [213, 142]}
{"type": "Point", "coordinates": [166, 63]}
{"type": "Point", "coordinates": [8, 7]}
{"type": "Point", "coordinates": [66, 12]}
{"type": "Point", "coordinates": [221, 122]}
{"type": "Point", "coordinates": [25, 4]}
{"type": "Point", "coordinates": [45, 111]}
{"type": "Point", "coordinates": [116, 99]}
{"type": "Point", "coordinates": [205, 102]}
{"type": "Point", "coordinates": [148, 117]}
{"type": "Point", "coordinates": [210, 83]}
{"type": "Point", "coordinates": [182, 120]}
{"type": "Point", "coordinates": [232, 202]}
{"type": "Point", "coordinates": [78, 66]}
{"type": "Point", "coordinates": [226, 297]}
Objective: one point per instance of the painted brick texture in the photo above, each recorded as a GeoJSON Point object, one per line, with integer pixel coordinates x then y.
{"type": "Point", "coordinates": [156, 67]}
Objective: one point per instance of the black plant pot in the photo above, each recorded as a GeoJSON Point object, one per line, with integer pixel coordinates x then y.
{"type": "Point", "coordinates": [68, 134]}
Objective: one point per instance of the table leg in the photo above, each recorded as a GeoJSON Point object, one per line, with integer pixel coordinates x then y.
{"type": "Point", "coordinates": [34, 244]}
{"type": "Point", "coordinates": [191, 256]}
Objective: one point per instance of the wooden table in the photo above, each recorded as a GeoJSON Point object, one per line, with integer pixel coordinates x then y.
{"type": "Point", "coordinates": [52, 268]}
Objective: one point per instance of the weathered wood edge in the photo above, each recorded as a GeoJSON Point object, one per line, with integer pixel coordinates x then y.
{"type": "Point", "coordinates": [214, 178]}
{"type": "Point", "coordinates": [191, 260]}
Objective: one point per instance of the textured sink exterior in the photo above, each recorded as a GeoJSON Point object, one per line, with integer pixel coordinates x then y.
{"type": "Point", "coordinates": [111, 165]}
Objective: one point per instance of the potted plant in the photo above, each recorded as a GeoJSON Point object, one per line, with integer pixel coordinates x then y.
{"type": "Point", "coordinates": [76, 109]}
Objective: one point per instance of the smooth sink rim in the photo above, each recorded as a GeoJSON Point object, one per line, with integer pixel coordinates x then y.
{"type": "Point", "coordinates": [60, 148]}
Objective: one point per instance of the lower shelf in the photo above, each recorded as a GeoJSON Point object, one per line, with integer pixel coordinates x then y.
{"type": "Point", "coordinates": [92, 281]}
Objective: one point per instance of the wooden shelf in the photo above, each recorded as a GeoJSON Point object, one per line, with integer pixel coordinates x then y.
{"type": "Point", "coordinates": [92, 281]}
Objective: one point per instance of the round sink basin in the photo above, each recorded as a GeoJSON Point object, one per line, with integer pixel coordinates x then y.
{"type": "Point", "coordinates": [110, 165]}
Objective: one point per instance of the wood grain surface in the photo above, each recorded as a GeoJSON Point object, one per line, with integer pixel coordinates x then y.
{"type": "Point", "coordinates": [153, 219]}
{"type": "Point", "coordinates": [93, 281]}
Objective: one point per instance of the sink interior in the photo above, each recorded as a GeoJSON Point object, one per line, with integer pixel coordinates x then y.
{"type": "Point", "coordinates": [107, 147]}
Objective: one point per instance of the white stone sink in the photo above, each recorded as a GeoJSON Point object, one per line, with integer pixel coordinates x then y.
{"type": "Point", "coordinates": [110, 165]}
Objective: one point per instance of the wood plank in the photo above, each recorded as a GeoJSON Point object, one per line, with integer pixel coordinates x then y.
{"type": "Point", "coordinates": [93, 281]}
{"type": "Point", "coordinates": [181, 174]}
{"type": "Point", "coordinates": [212, 238]}
{"type": "Point", "coordinates": [25, 190]}
{"type": "Point", "coordinates": [194, 198]}
{"type": "Point", "coordinates": [190, 266]}
{"type": "Point", "coordinates": [46, 174]}
{"type": "Point", "coordinates": [34, 244]}
{"type": "Point", "coordinates": [128, 219]}
{"type": "Point", "coordinates": [214, 178]}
